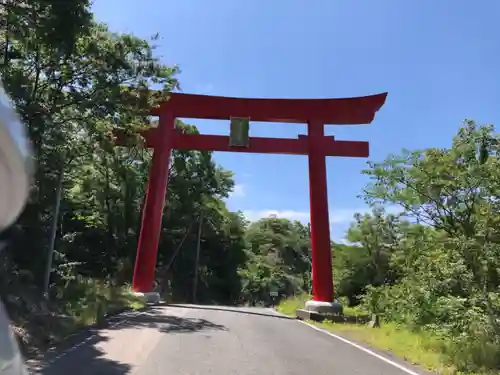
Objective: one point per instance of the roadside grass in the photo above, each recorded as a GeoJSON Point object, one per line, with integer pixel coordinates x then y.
{"type": "Point", "coordinates": [418, 348]}
{"type": "Point", "coordinates": [98, 302]}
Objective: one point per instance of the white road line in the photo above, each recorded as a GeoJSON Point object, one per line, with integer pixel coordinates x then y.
{"type": "Point", "coordinates": [357, 346]}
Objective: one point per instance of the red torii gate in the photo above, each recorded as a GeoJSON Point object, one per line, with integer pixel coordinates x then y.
{"type": "Point", "coordinates": [315, 112]}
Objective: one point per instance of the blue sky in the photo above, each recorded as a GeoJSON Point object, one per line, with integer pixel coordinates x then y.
{"type": "Point", "coordinates": [439, 61]}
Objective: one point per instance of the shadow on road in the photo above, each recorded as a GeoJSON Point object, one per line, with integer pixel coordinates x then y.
{"type": "Point", "coordinates": [82, 354]}
{"type": "Point", "coordinates": [87, 358]}
{"type": "Point", "coordinates": [155, 318]}
{"type": "Point", "coordinates": [228, 309]}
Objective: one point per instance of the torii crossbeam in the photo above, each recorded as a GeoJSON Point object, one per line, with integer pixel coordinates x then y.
{"type": "Point", "coordinates": [314, 112]}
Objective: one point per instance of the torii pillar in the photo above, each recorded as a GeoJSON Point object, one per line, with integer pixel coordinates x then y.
{"type": "Point", "coordinates": [316, 113]}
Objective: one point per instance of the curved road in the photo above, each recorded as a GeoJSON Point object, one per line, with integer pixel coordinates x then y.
{"type": "Point", "coordinates": [198, 340]}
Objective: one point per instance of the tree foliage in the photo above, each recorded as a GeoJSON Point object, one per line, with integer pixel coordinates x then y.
{"type": "Point", "coordinates": [446, 252]}
{"type": "Point", "coordinates": [72, 88]}
{"type": "Point", "coordinates": [278, 259]}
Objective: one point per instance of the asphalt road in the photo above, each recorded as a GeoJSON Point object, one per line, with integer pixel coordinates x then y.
{"type": "Point", "coordinates": [199, 340]}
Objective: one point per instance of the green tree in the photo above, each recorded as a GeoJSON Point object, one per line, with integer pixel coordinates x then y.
{"type": "Point", "coordinates": [453, 282]}
{"type": "Point", "coordinates": [279, 259]}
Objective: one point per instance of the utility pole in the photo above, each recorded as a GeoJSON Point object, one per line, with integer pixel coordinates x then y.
{"type": "Point", "coordinates": [53, 234]}
{"type": "Point", "coordinates": [197, 261]}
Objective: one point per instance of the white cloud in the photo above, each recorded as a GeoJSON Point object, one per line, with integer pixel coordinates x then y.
{"type": "Point", "coordinates": [336, 216]}
{"type": "Point", "coordinates": [238, 191]}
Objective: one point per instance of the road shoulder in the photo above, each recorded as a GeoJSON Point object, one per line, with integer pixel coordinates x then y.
{"type": "Point", "coordinates": [383, 355]}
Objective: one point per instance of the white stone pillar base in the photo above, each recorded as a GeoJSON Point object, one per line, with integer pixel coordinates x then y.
{"type": "Point", "coordinates": [148, 298]}
{"type": "Point", "coordinates": [319, 311]}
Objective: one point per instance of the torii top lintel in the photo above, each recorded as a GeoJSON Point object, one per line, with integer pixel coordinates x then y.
{"type": "Point", "coordinates": [345, 111]}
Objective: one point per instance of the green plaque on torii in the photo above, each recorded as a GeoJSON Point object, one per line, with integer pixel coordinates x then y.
{"type": "Point", "coordinates": [239, 131]}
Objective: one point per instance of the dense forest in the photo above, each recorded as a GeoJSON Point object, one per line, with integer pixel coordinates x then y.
{"type": "Point", "coordinates": [434, 267]}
